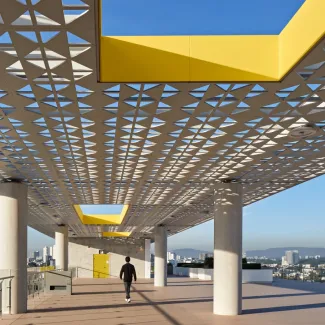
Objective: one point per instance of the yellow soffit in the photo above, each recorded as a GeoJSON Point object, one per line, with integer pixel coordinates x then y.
{"type": "Point", "coordinates": [116, 234]}
{"type": "Point", "coordinates": [212, 58]}
{"type": "Point", "coordinates": [101, 219]}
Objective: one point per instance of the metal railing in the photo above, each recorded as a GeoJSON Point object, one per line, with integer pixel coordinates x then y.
{"type": "Point", "coordinates": [77, 270]}
{"type": "Point", "coordinates": [6, 279]}
{"type": "Point", "coordinates": [36, 285]}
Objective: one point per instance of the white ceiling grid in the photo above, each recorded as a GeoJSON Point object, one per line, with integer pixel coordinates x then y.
{"type": "Point", "coordinates": [159, 147]}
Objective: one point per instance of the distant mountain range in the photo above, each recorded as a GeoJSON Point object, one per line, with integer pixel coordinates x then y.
{"type": "Point", "coordinates": [280, 251]}
{"type": "Point", "coordinates": [270, 252]}
{"type": "Point", "coordinates": [188, 252]}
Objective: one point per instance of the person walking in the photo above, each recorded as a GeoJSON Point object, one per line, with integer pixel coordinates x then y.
{"type": "Point", "coordinates": [128, 272]}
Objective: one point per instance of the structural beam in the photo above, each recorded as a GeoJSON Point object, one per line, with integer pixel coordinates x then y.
{"type": "Point", "coordinates": [228, 249]}
{"type": "Point", "coordinates": [13, 246]}
{"type": "Point", "coordinates": [160, 257]}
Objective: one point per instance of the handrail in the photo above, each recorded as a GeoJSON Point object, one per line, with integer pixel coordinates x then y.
{"type": "Point", "coordinates": [6, 278]}
{"type": "Point", "coordinates": [91, 270]}
{"type": "Point", "coordinates": [36, 280]}
{"type": "Point", "coordinates": [1, 282]}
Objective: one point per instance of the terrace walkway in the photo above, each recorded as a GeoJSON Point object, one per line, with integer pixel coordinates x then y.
{"type": "Point", "coordinates": [184, 301]}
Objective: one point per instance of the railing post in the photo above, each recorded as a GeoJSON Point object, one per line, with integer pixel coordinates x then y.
{"type": "Point", "coordinates": [9, 300]}
{"type": "Point", "coordinates": [1, 298]}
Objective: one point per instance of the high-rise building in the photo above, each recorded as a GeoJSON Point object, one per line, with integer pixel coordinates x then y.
{"type": "Point", "coordinates": [292, 257]}
{"type": "Point", "coordinates": [170, 256]}
{"type": "Point", "coordinates": [36, 254]}
{"type": "Point", "coordinates": [51, 251]}
{"type": "Point", "coordinates": [284, 261]}
{"type": "Point", "coordinates": [202, 256]}
{"type": "Point", "coordinates": [46, 253]}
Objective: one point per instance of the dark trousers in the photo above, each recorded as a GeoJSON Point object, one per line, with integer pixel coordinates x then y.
{"type": "Point", "coordinates": [127, 286]}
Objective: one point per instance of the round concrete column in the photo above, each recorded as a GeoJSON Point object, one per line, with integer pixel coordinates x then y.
{"type": "Point", "coordinates": [160, 257]}
{"type": "Point", "coordinates": [228, 249]}
{"type": "Point", "coordinates": [61, 248]}
{"type": "Point", "coordinates": [13, 245]}
{"type": "Point", "coordinates": [147, 259]}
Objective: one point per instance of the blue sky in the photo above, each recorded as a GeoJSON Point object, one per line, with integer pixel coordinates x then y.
{"type": "Point", "coordinates": [192, 17]}
{"type": "Point", "coordinates": [294, 217]}
{"type": "Point", "coordinates": [101, 209]}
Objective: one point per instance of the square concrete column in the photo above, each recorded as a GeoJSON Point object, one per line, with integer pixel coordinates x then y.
{"type": "Point", "coordinates": [227, 285]}
{"type": "Point", "coordinates": [61, 248]}
{"type": "Point", "coordinates": [13, 246]}
{"type": "Point", "coordinates": [160, 257]}
{"type": "Point", "coordinates": [147, 259]}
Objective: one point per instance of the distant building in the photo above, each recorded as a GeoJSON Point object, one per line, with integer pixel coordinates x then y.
{"type": "Point", "coordinates": [170, 256]}
{"type": "Point", "coordinates": [203, 256]}
{"type": "Point", "coordinates": [292, 257]}
{"type": "Point", "coordinates": [284, 261]}
{"type": "Point", "coordinates": [52, 251]}
{"type": "Point", "coordinates": [36, 255]}
{"type": "Point", "coordinates": [46, 253]}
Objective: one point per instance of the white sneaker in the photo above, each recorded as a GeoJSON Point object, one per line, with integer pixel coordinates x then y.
{"type": "Point", "coordinates": [129, 300]}
{"type": "Point", "coordinates": [126, 300]}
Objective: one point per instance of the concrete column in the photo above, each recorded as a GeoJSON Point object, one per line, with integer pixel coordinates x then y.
{"type": "Point", "coordinates": [13, 246]}
{"type": "Point", "coordinates": [160, 257]}
{"type": "Point", "coordinates": [61, 248]}
{"type": "Point", "coordinates": [147, 259]}
{"type": "Point", "coordinates": [228, 249]}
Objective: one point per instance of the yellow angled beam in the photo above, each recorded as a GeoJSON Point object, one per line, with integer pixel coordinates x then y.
{"type": "Point", "coordinates": [212, 58]}
{"type": "Point", "coordinates": [116, 234]}
{"type": "Point", "coordinates": [101, 219]}
{"type": "Point", "coordinates": [144, 58]}
{"type": "Point", "coordinates": [231, 58]}
{"type": "Point", "coordinates": [304, 30]}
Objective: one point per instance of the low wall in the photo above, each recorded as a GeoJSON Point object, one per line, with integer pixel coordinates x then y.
{"type": "Point", "coordinates": [258, 276]}
{"type": "Point", "coordinates": [205, 274]}
{"type": "Point", "coordinates": [181, 271]}
{"type": "Point", "coordinates": [248, 276]}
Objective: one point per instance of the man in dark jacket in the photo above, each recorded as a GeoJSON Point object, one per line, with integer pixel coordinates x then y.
{"type": "Point", "coordinates": [129, 271]}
